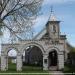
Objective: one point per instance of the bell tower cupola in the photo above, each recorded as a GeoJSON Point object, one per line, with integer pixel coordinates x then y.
{"type": "Point", "coordinates": [52, 26]}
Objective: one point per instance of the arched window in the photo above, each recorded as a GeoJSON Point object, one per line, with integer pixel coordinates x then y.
{"type": "Point", "coordinates": [53, 28]}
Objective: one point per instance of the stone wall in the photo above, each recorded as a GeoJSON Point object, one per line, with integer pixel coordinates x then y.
{"type": "Point", "coordinates": [44, 45]}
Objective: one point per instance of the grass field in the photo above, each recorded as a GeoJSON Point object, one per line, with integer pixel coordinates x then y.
{"type": "Point", "coordinates": [26, 69]}
{"type": "Point", "coordinates": [69, 69]}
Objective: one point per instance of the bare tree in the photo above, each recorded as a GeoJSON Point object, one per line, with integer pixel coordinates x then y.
{"type": "Point", "coordinates": [17, 15]}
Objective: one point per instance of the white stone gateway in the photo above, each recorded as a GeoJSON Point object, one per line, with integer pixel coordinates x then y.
{"type": "Point", "coordinates": [51, 43]}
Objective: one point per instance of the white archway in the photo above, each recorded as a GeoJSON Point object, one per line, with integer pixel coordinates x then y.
{"type": "Point", "coordinates": [4, 58]}
{"type": "Point", "coordinates": [50, 49]}
{"type": "Point", "coordinates": [33, 44]}
{"type": "Point", "coordinates": [41, 49]}
{"type": "Point", "coordinates": [7, 49]}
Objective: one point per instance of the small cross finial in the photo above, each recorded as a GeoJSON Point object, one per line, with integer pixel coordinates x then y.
{"type": "Point", "coordinates": [52, 9]}
{"type": "Point", "coordinates": [52, 16]}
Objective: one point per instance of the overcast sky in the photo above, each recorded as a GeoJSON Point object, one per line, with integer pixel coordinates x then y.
{"type": "Point", "coordinates": [64, 10]}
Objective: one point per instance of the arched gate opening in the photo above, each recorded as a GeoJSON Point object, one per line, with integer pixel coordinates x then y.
{"type": "Point", "coordinates": [32, 56]}
{"type": "Point", "coordinates": [11, 59]}
{"type": "Point", "coordinates": [53, 59]}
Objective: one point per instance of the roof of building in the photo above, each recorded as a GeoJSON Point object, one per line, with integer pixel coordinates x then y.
{"type": "Point", "coordinates": [52, 17]}
{"type": "Point", "coordinates": [40, 34]}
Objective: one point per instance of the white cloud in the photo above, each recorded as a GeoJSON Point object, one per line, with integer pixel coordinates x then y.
{"type": "Point", "coordinates": [40, 23]}
{"type": "Point", "coordinates": [42, 18]}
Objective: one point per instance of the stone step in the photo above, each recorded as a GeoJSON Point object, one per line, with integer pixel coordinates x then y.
{"type": "Point", "coordinates": [53, 68]}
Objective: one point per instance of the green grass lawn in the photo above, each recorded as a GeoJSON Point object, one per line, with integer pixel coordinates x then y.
{"type": "Point", "coordinates": [26, 69]}
{"type": "Point", "coordinates": [69, 69]}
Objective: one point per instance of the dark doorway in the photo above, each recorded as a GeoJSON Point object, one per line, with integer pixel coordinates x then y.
{"type": "Point", "coordinates": [33, 56]}
{"type": "Point", "coordinates": [53, 58]}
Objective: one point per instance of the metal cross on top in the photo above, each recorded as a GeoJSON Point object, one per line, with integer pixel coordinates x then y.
{"type": "Point", "coordinates": [52, 9]}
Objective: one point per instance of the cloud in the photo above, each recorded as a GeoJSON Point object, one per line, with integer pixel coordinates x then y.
{"type": "Point", "coordinates": [41, 20]}
{"type": "Point", "coordinates": [40, 23]}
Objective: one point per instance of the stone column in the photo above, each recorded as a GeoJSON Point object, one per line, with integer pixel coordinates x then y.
{"type": "Point", "coordinates": [65, 56]}
{"type": "Point", "coordinates": [7, 62]}
{"type": "Point", "coordinates": [24, 57]}
{"type": "Point", "coordinates": [3, 62]}
{"type": "Point", "coordinates": [45, 62]}
{"type": "Point", "coordinates": [60, 61]}
{"type": "Point", "coordinates": [19, 62]}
